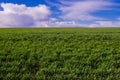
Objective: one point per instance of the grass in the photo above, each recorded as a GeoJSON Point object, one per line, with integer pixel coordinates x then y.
{"type": "Point", "coordinates": [60, 54]}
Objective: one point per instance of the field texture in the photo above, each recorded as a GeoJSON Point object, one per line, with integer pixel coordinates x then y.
{"type": "Point", "coordinates": [60, 54]}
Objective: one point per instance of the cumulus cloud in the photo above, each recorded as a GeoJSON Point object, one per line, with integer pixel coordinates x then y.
{"type": "Point", "coordinates": [14, 15]}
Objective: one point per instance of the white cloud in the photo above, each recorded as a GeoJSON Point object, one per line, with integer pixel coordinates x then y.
{"type": "Point", "coordinates": [118, 18]}
{"type": "Point", "coordinates": [15, 20]}
{"type": "Point", "coordinates": [14, 15]}
{"type": "Point", "coordinates": [65, 24]}
{"type": "Point", "coordinates": [82, 10]}
{"type": "Point", "coordinates": [105, 24]}
{"type": "Point", "coordinates": [57, 24]}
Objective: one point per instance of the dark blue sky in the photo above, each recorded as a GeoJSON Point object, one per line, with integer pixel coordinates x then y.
{"type": "Point", "coordinates": [27, 2]}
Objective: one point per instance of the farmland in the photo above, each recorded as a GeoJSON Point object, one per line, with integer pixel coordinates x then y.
{"type": "Point", "coordinates": [60, 54]}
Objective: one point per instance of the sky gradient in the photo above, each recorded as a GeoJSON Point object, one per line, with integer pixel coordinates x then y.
{"type": "Point", "coordinates": [59, 13]}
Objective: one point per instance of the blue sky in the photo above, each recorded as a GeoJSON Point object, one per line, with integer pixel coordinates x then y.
{"type": "Point", "coordinates": [59, 13]}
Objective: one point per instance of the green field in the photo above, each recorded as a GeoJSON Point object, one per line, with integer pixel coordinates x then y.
{"type": "Point", "coordinates": [60, 54]}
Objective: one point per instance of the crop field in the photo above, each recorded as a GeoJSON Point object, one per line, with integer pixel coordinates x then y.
{"type": "Point", "coordinates": [60, 54]}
